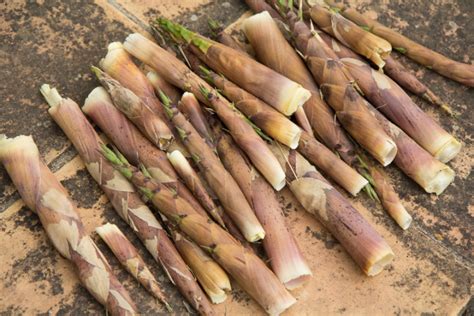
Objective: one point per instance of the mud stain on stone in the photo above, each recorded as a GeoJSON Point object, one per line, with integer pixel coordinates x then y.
{"type": "Point", "coordinates": [80, 183]}
{"type": "Point", "coordinates": [53, 42]}
{"type": "Point", "coordinates": [38, 265]}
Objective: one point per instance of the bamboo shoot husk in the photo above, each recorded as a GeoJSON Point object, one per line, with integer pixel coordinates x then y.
{"type": "Point", "coordinates": [123, 197]}
{"type": "Point", "coordinates": [245, 267]}
{"type": "Point", "coordinates": [368, 249]}
{"type": "Point", "coordinates": [365, 43]}
{"type": "Point", "coordinates": [280, 92]}
{"type": "Point", "coordinates": [219, 35]}
{"type": "Point", "coordinates": [98, 106]}
{"type": "Point", "coordinates": [394, 69]}
{"type": "Point", "coordinates": [218, 178]}
{"type": "Point", "coordinates": [213, 279]}
{"type": "Point", "coordinates": [260, 6]}
{"type": "Point", "coordinates": [268, 119]}
{"type": "Point", "coordinates": [45, 196]}
{"type": "Point", "coordinates": [390, 199]}
{"type": "Point", "coordinates": [129, 258]}
{"type": "Point", "coordinates": [190, 107]}
{"type": "Point", "coordinates": [193, 182]}
{"type": "Point", "coordinates": [149, 122]}
{"type": "Point", "coordinates": [392, 101]}
{"type": "Point", "coordinates": [159, 83]}
{"type": "Point", "coordinates": [460, 72]}
{"type": "Point", "coordinates": [176, 73]}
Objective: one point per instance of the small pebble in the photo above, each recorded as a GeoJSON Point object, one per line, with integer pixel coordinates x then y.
{"type": "Point", "coordinates": [226, 4]}
{"type": "Point", "coordinates": [193, 17]}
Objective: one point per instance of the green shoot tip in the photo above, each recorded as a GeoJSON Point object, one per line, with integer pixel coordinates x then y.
{"type": "Point", "coordinates": [180, 33]}
{"type": "Point", "coordinates": [110, 155]}
{"type": "Point", "coordinates": [97, 71]}
{"type": "Point", "coordinates": [401, 50]}
{"type": "Point", "coordinates": [205, 70]}
{"type": "Point", "coordinates": [182, 133]}
{"type": "Point", "coordinates": [121, 157]}
{"type": "Point", "coordinates": [205, 92]}
{"type": "Point", "coordinates": [164, 98]}
{"type": "Point", "coordinates": [214, 25]}
{"type": "Point", "coordinates": [144, 170]}
{"type": "Point", "coordinates": [166, 102]}
{"type": "Point", "coordinates": [168, 306]}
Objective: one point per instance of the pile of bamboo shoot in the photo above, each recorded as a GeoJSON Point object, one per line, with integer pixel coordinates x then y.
{"type": "Point", "coordinates": [197, 151]}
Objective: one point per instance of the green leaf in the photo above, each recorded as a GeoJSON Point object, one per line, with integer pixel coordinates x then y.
{"type": "Point", "coordinates": [196, 158]}
{"type": "Point", "coordinates": [182, 133]}
{"type": "Point", "coordinates": [401, 50]}
{"type": "Point", "coordinates": [180, 32]}
{"type": "Point", "coordinates": [205, 92]}
{"type": "Point", "coordinates": [145, 171]}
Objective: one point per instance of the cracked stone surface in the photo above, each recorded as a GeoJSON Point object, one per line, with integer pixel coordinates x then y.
{"type": "Point", "coordinates": [55, 42]}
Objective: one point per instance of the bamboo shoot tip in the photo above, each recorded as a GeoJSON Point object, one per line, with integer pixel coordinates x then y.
{"type": "Point", "coordinates": [98, 94]}
{"type": "Point", "coordinates": [51, 95]}
{"type": "Point", "coordinates": [449, 150]}
{"type": "Point", "coordinates": [106, 229]}
{"type": "Point", "coordinates": [380, 263]}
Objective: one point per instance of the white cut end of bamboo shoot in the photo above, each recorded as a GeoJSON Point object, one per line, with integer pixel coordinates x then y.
{"type": "Point", "coordinates": [402, 217]}
{"type": "Point", "coordinates": [358, 184]}
{"type": "Point", "coordinates": [154, 79]}
{"type": "Point", "coordinates": [297, 276]}
{"type": "Point", "coordinates": [258, 18]}
{"type": "Point", "coordinates": [51, 95]}
{"type": "Point", "coordinates": [191, 95]}
{"type": "Point", "coordinates": [107, 230]}
{"type": "Point", "coordinates": [281, 307]}
{"type": "Point", "coordinates": [99, 94]}
{"type": "Point", "coordinates": [288, 136]}
{"type": "Point", "coordinates": [440, 181]}
{"type": "Point", "coordinates": [21, 143]}
{"type": "Point", "coordinates": [253, 233]}
{"type": "Point", "coordinates": [179, 162]}
{"type": "Point", "coordinates": [278, 180]}
{"type": "Point", "coordinates": [292, 97]}
{"type": "Point", "coordinates": [387, 153]}
{"type": "Point", "coordinates": [379, 263]}
{"type": "Point", "coordinates": [449, 150]}
{"type": "Point", "coordinates": [217, 298]}
{"type": "Point", "coordinates": [293, 142]}
{"type": "Point", "coordinates": [378, 60]}
{"type": "Point", "coordinates": [114, 50]}
{"type": "Point", "coordinates": [138, 46]}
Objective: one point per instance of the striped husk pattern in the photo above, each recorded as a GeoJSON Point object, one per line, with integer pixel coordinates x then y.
{"type": "Point", "coordinates": [123, 197]}
{"type": "Point", "coordinates": [176, 73]}
{"type": "Point", "coordinates": [250, 272]}
{"type": "Point", "coordinates": [44, 195]}
{"type": "Point", "coordinates": [128, 256]}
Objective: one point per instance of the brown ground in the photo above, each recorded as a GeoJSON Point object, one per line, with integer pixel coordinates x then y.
{"type": "Point", "coordinates": [55, 42]}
